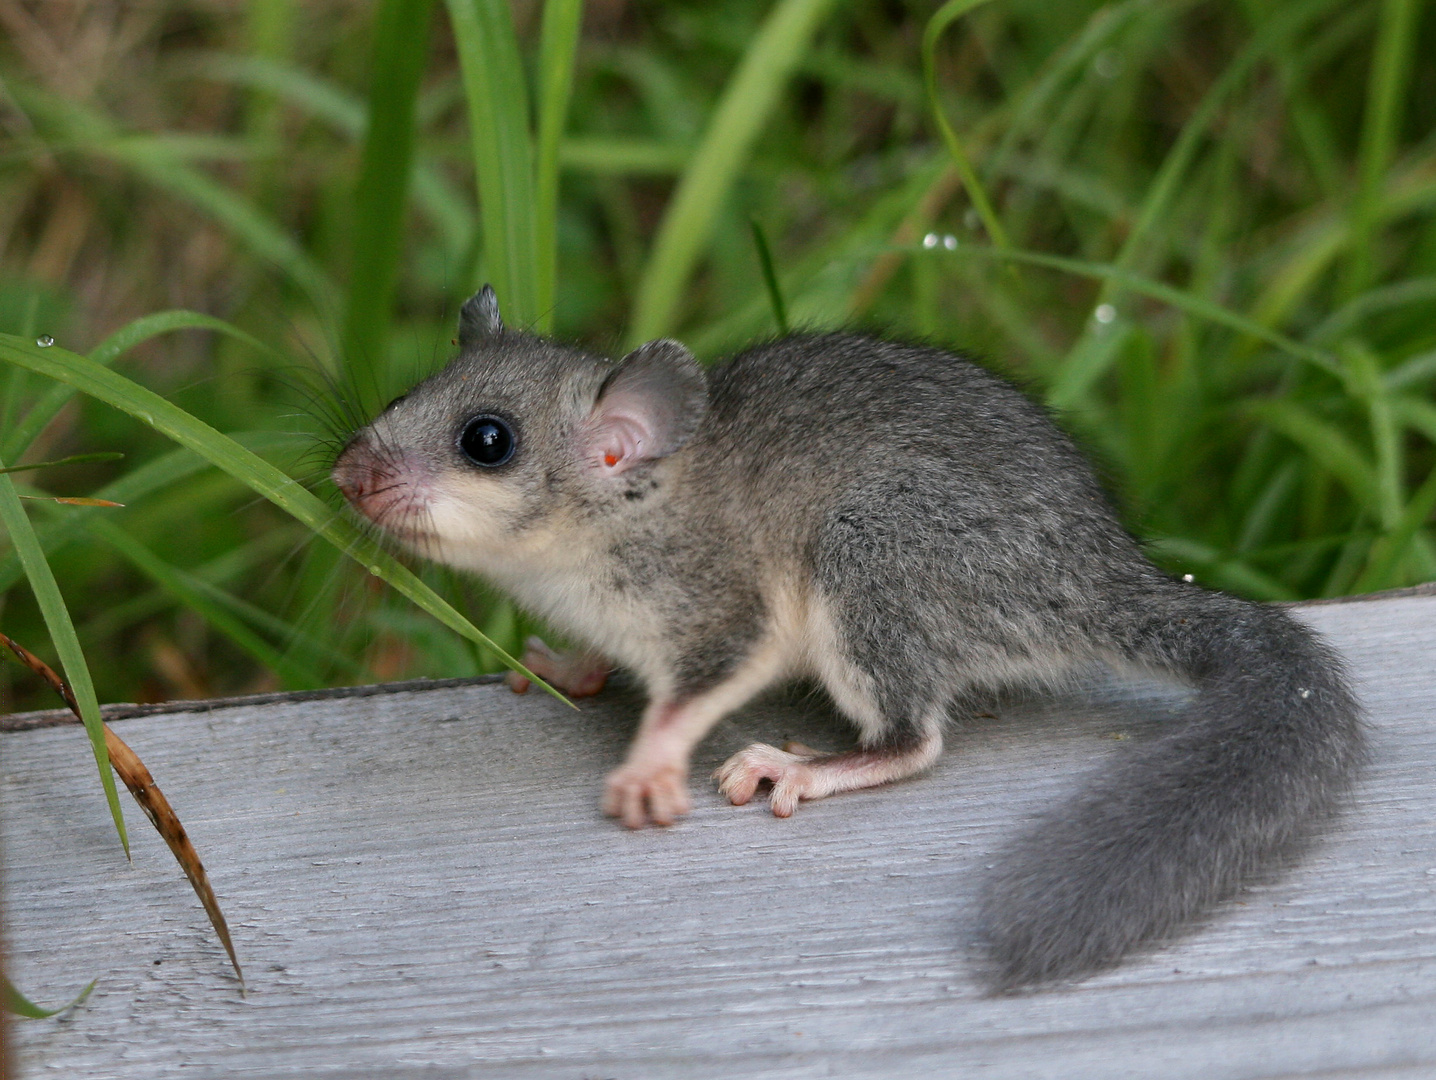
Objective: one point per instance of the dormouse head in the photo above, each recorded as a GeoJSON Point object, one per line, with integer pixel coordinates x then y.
{"type": "Point", "coordinates": [519, 439]}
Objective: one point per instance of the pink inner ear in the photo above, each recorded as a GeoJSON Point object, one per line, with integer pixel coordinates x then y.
{"type": "Point", "coordinates": [617, 439]}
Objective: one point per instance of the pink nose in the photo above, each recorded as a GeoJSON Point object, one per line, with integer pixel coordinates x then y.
{"type": "Point", "coordinates": [354, 473]}
{"type": "Point", "coordinates": [386, 484]}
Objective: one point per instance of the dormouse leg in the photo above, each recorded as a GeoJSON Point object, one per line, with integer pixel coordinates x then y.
{"type": "Point", "coordinates": [898, 707]}
{"type": "Point", "coordinates": [876, 665]}
{"type": "Point", "coordinates": [652, 783]}
{"type": "Point", "coordinates": [577, 674]}
{"type": "Point", "coordinates": [798, 775]}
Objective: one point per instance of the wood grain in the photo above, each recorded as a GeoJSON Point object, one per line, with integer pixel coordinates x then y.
{"type": "Point", "coordinates": [420, 884]}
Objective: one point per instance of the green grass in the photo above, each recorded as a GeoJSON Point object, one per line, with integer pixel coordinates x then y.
{"type": "Point", "coordinates": [401, 46]}
{"type": "Point", "coordinates": [1245, 193]}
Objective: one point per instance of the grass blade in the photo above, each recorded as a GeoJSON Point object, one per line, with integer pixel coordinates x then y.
{"type": "Point", "coordinates": [311, 95]}
{"type": "Point", "coordinates": [944, 17]}
{"type": "Point", "coordinates": [106, 352]}
{"type": "Point", "coordinates": [62, 636]}
{"type": "Point", "coordinates": [270, 35]}
{"type": "Point", "coordinates": [498, 100]}
{"type": "Point", "coordinates": [1390, 74]}
{"type": "Point", "coordinates": [1390, 549]}
{"type": "Point", "coordinates": [558, 46]}
{"type": "Point", "coordinates": [73, 500]}
{"type": "Point", "coordinates": [157, 808]}
{"type": "Point", "coordinates": [152, 476]}
{"type": "Point", "coordinates": [1345, 319]}
{"type": "Point", "coordinates": [1365, 385]}
{"type": "Point", "coordinates": [192, 594]}
{"type": "Point", "coordinates": [747, 102]}
{"type": "Point", "coordinates": [1416, 412]}
{"type": "Point", "coordinates": [73, 459]}
{"type": "Point", "coordinates": [18, 1004]}
{"type": "Point", "coordinates": [1169, 294]}
{"type": "Point", "coordinates": [401, 44]}
{"type": "Point", "coordinates": [770, 276]}
{"type": "Point", "coordinates": [146, 792]}
{"type": "Point", "coordinates": [1090, 358]}
{"type": "Point", "coordinates": [1328, 447]}
{"type": "Point", "coordinates": [622, 157]}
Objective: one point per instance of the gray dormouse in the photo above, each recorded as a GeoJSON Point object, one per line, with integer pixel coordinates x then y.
{"type": "Point", "coordinates": [907, 530]}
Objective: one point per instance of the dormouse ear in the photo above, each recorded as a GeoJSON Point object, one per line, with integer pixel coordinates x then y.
{"type": "Point", "coordinates": [479, 317]}
{"type": "Point", "coordinates": [649, 406]}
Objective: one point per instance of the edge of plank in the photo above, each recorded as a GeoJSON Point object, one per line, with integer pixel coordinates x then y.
{"type": "Point", "coordinates": [123, 711]}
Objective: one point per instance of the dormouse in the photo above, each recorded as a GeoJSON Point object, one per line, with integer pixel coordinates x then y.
{"type": "Point", "coordinates": [909, 531]}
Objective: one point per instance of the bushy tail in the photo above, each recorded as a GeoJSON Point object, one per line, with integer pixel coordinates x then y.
{"type": "Point", "coordinates": [1264, 752]}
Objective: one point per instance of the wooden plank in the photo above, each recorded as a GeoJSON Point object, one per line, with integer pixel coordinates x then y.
{"type": "Point", "coordinates": [420, 884]}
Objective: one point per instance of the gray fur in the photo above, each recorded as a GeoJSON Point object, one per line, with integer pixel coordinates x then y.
{"type": "Point", "coordinates": [479, 318]}
{"type": "Point", "coordinates": [962, 545]}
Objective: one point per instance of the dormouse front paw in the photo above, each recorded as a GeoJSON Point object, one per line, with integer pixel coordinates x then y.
{"type": "Point", "coordinates": [577, 674]}
{"type": "Point", "coordinates": [640, 792]}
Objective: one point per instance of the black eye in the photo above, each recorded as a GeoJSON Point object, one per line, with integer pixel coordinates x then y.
{"type": "Point", "coordinates": [487, 441]}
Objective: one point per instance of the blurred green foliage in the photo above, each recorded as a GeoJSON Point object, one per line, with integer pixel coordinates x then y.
{"type": "Point", "coordinates": [1222, 265]}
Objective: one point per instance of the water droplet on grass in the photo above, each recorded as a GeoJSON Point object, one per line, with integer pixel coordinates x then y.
{"type": "Point", "coordinates": [44, 341]}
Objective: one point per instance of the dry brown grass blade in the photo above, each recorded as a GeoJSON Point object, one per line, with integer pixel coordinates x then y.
{"type": "Point", "coordinates": [137, 778]}
{"type": "Point", "coordinates": [72, 500]}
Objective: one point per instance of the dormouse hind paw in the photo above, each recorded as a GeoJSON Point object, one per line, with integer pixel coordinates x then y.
{"type": "Point", "coordinates": [577, 674]}
{"type": "Point", "coordinates": [797, 772]}
{"type": "Point", "coordinates": [790, 773]}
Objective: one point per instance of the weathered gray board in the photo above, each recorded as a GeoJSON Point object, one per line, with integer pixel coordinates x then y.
{"type": "Point", "coordinates": [420, 885]}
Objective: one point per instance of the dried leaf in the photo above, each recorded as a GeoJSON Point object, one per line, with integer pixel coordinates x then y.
{"type": "Point", "coordinates": [152, 801]}
{"type": "Point", "coordinates": [137, 778]}
{"type": "Point", "coordinates": [71, 500]}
